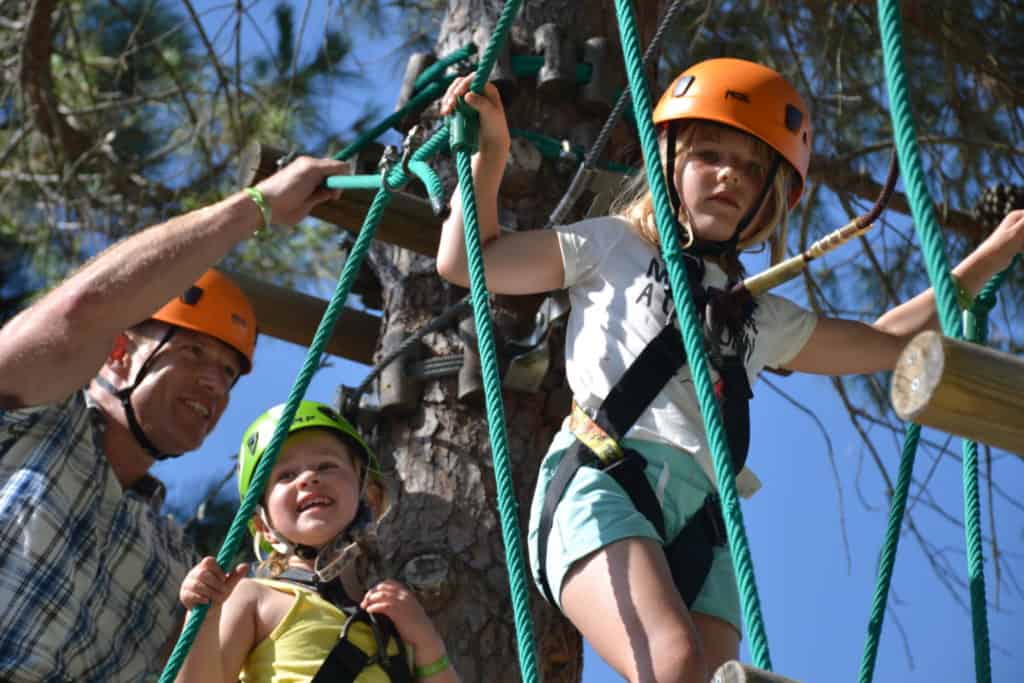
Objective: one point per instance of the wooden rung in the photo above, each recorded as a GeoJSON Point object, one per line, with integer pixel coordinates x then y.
{"type": "Point", "coordinates": [408, 222]}
{"type": "Point", "coordinates": [293, 316]}
{"type": "Point", "coordinates": [735, 672]}
{"type": "Point", "coordinates": [961, 388]}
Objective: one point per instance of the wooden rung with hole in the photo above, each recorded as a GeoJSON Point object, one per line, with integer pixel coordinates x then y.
{"type": "Point", "coordinates": [293, 316]}
{"type": "Point", "coordinates": [961, 388]}
{"type": "Point", "coordinates": [408, 221]}
{"type": "Point", "coordinates": [735, 672]}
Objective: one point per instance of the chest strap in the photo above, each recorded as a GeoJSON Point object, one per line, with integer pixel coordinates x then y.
{"type": "Point", "coordinates": [346, 660]}
{"type": "Point", "coordinates": [599, 444]}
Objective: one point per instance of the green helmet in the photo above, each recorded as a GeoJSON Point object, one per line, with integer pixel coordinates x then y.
{"type": "Point", "coordinates": [310, 414]}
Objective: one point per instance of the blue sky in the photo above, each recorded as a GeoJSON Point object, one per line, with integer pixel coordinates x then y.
{"type": "Point", "coordinates": [815, 594]}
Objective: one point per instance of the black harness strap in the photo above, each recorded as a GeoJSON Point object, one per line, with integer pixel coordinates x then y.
{"type": "Point", "coordinates": [332, 591]}
{"type": "Point", "coordinates": [690, 554]}
{"type": "Point", "coordinates": [346, 660]}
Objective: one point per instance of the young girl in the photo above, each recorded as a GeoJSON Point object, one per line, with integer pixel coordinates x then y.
{"type": "Point", "coordinates": [736, 141]}
{"type": "Point", "coordinates": [283, 628]}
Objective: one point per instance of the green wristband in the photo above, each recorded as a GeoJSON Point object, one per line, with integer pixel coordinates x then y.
{"type": "Point", "coordinates": [433, 668]}
{"type": "Point", "coordinates": [257, 197]}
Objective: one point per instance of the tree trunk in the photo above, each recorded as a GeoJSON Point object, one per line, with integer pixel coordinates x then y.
{"type": "Point", "coordinates": [441, 534]}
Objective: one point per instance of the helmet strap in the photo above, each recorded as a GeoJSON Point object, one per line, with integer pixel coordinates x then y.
{"type": "Point", "coordinates": [125, 397]}
{"type": "Point", "coordinates": [773, 170]}
{"type": "Point", "coordinates": [325, 557]}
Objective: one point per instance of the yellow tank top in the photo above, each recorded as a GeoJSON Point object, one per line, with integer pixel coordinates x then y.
{"type": "Point", "coordinates": [295, 649]}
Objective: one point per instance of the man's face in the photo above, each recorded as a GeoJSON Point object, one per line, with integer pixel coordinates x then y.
{"type": "Point", "coordinates": [185, 390]}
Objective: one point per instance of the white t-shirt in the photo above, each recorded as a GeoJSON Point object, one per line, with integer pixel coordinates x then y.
{"type": "Point", "coordinates": [620, 296]}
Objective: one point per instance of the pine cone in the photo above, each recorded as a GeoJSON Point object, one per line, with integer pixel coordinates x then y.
{"type": "Point", "coordinates": [997, 201]}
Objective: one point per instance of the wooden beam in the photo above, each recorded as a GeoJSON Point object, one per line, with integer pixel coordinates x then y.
{"type": "Point", "coordinates": [408, 221]}
{"type": "Point", "coordinates": [961, 388]}
{"type": "Point", "coordinates": [735, 672]}
{"type": "Point", "coordinates": [293, 316]}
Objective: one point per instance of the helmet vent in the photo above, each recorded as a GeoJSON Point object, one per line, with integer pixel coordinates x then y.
{"type": "Point", "coordinates": [794, 117]}
{"type": "Point", "coordinates": [736, 95]}
{"type": "Point", "coordinates": [682, 85]}
{"type": "Point", "coordinates": [192, 295]}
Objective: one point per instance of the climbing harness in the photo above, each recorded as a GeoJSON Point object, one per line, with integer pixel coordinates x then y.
{"type": "Point", "coordinates": [368, 644]}
{"type": "Point", "coordinates": [599, 444]}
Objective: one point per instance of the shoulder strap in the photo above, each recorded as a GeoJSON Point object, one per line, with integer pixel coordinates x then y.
{"type": "Point", "coordinates": [346, 660]}
{"type": "Point", "coordinates": [332, 591]}
{"type": "Point", "coordinates": [643, 380]}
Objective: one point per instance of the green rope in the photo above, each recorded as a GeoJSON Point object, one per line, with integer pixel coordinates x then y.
{"type": "Point", "coordinates": [435, 72]}
{"type": "Point", "coordinates": [887, 557]}
{"type": "Point", "coordinates": [415, 103]}
{"type": "Point", "coordinates": [945, 298]}
{"type": "Point", "coordinates": [463, 144]}
{"type": "Point", "coordinates": [526, 66]}
{"type": "Point", "coordinates": [552, 148]}
{"type": "Point", "coordinates": [239, 526]}
{"type": "Point", "coordinates": [419, 169]}
{"type": "Point", "coordinates": [693, 339]}
{"type": "Point", "coordinates": [925, 222]}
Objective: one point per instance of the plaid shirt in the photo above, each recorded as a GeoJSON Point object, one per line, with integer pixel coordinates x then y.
{"type": "Point", "coordinates": [89, 572]}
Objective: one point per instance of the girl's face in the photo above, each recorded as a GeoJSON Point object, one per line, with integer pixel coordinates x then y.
{"type": "Point", "coordinates": [313, 492]}
{"type": "Point", "coordinates": [719, 178]}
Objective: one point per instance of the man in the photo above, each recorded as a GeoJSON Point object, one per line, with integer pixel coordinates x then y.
{"type": "Point", "coordinates": [128, 361]}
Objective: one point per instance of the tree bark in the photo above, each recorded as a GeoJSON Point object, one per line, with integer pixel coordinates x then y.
{"type": "Point", "coordinates": [441, 533]}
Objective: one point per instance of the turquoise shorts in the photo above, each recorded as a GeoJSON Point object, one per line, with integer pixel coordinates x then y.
{"type": "Point", "coordinates": [595, 512]}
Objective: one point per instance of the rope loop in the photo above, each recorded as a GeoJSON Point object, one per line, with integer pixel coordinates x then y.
{"type": "Point", "coordinates": [465, 128]}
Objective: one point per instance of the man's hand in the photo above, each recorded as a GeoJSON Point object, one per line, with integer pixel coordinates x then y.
{"type": "Point", "coordinates": [292, 192]}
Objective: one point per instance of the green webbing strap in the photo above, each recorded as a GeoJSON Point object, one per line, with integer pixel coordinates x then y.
{"type": "Point", "coordinates": [693, 338]}
{"type": "Point", "coordinates": [946, 303]}
{"type": "Point", "coordinates": [239, 526]}
{"type": "Point", "coordinates": [464, 134]}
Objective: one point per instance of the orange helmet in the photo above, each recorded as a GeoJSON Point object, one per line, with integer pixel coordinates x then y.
{"type": "Point", "coordinates": [215, 306]}
{"type": "Point", "coordinates": [747, 96]}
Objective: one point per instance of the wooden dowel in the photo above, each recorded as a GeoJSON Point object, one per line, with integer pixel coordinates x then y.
{"type": "Point", "coordinates": [793, 266]}
{"type": "Point", "coordinates": [735, 672]}
{"type": "Point", "coordinates": [293, 316]}
{"type": "Point", "coordinates": [961, 388]}
{"type": "Point", "coordinates": [408, 222]}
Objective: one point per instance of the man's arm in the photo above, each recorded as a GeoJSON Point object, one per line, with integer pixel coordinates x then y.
{"type": "Point", "coordinates": [57, 345]}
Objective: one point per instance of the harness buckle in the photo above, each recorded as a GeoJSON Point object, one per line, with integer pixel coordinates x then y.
{"type": "Point", "coordinates": [712, 513]}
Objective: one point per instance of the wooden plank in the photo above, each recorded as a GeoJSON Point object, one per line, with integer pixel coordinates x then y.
{"type": "Point", "coordinates": [408, 221]}
{"type": "Point", "coordinates": [735, 672]}
{"type": "Point", "coordinates": [293, 316]}
{"type": "Point", "coordinates": [961, 388]}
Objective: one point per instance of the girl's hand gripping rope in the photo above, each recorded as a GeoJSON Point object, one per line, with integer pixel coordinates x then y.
{"type": "Point", "coordinates": [208, 584]}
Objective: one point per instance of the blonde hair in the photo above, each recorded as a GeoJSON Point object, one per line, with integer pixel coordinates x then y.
{"type": "Point", "coordinates": [636, 205]}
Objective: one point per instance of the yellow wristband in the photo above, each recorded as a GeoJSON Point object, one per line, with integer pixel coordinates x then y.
{"type": "Point", "coordinates": [433, 668]}
{"type": "Point", "coordinates": [963, 297]}
{"type": "Point", "coordinates": [261, 202]}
